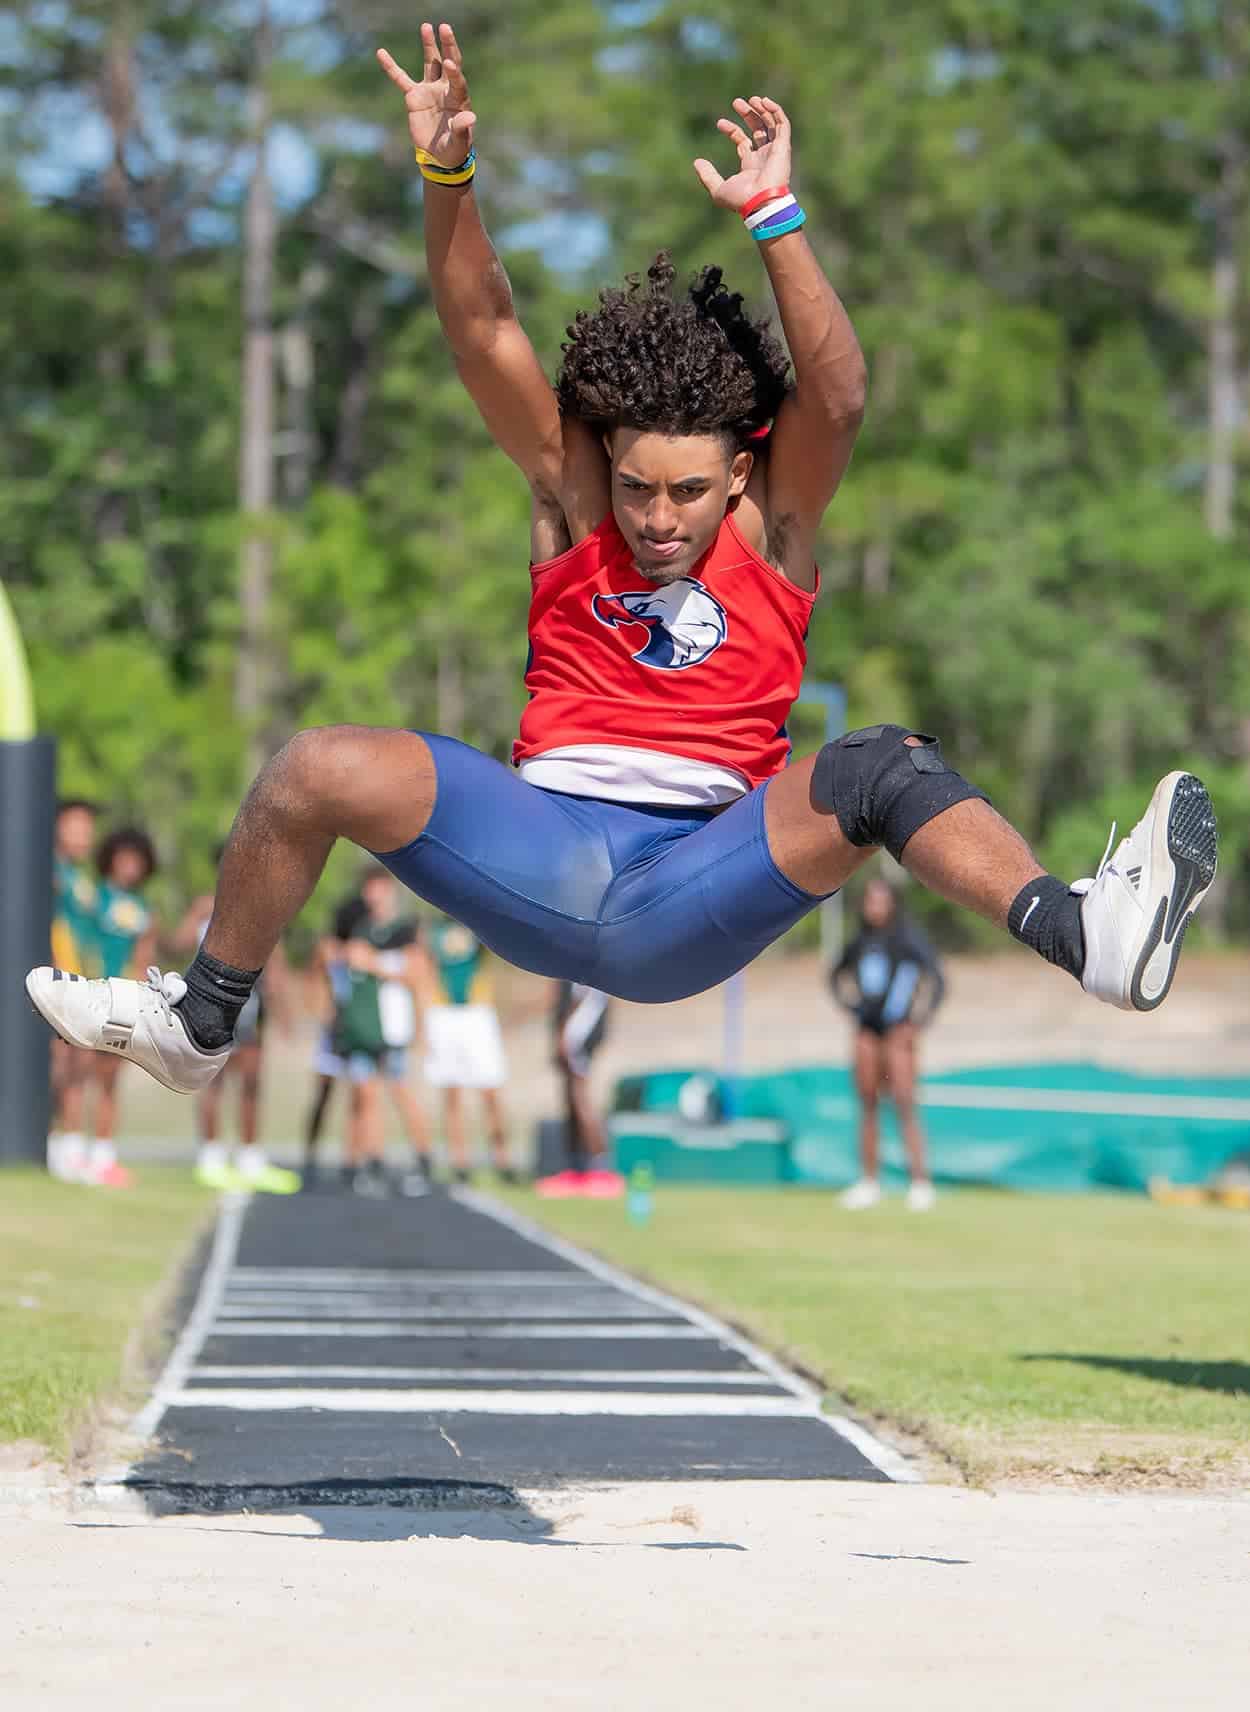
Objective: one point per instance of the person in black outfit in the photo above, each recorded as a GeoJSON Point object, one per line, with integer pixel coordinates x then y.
{"type": "Point", "coordinates": [890, 980]}
{"type": "Point", "coordinates": [579, 1021]}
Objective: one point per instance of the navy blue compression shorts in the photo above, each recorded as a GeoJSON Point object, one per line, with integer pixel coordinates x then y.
{"type": "Point", "coordinates": [649, 904]}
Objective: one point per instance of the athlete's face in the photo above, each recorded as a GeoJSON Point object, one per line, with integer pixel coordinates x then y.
{"type": "Point", "coordinates": [669, 495]}
{"type": "Point", "coordinates": [878, 904]}
{"type": "Point", "coordinates": [75, 834]}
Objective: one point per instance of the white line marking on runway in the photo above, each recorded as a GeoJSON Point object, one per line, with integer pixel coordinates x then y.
{"type": "Point", "coordinates": [500, 1375]}
{"type": "Point", "coordinates": [203, 1314]}
{"type": "Point", "coordinates": [881, 1455]}
{"type": "Point", "coordinates": [348, 1277]}
{"type": "Point", "coordinates": [442, 1329]}
{"type": "Point", "coordinates": [380, 1402]}
{"type": "Point", "coordinates": [464, 1312]}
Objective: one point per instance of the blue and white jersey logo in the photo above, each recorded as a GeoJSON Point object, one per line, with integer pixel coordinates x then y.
{"type": "Point", "coordinates": [685, 622]}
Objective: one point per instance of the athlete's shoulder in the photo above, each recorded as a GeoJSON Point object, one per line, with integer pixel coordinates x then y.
{"type": "Point", "coordinates": [601, 546]}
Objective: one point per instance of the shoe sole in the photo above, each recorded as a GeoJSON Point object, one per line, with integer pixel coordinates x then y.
{"type": "Point", "coordinates": [71, 1039]}
{"type": "Point", "coordinates": [1185, 845]}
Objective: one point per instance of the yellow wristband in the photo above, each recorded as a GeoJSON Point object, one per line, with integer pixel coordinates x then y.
{"type": "Point", "coordinates": [434, 172]}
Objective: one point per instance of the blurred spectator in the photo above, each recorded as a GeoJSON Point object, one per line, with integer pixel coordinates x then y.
{"type": "Point", "coordinates": [464, 1048]}
{"type": "Point", "coordinates": [890, 980]}
{"type": "Point", "coordinates": [125, 940]}
{"type": "Point", "coordinates": [373, 968]}
{"type": "Point", "coordinates": [75, 902]}
{"type": "Point", "coordinates": [579, 1023]}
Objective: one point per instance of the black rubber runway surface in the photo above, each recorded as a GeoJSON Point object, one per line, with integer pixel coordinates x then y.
{"type": "Point", "coordinates": [377, 1345]}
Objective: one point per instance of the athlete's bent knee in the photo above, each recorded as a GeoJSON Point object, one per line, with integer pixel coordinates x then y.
{"type": "Point", "coordinates": [883, 788]}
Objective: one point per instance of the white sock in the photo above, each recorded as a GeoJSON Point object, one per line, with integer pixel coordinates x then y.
{"type": "Point", "coordinates": [251, 1161]}
{"type": "Point", "coordinates": [66, 1156]}
{"type": "Point", "coordinates": [103, 1154]}
{"type": "Point", "coordinates": [212, 1156]}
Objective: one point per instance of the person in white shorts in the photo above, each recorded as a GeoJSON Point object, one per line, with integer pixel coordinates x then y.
{"type": "Point", "coordinates": [464, 1046]}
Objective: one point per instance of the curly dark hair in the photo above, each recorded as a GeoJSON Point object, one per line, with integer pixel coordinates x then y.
{"type": "Point", "coordinates": [690, 364]}
{"type": "Point", "coordinates": [126, 838]}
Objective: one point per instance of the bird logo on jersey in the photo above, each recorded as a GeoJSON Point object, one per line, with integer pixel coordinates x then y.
{"type": "Point", "coordinates": [685, 622]}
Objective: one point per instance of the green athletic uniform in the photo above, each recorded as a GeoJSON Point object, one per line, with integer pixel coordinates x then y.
{"type": "Point", "coordinates": [364, 1020]}
{"type": "Point", "coordinates": [76, 903]}
{"type": "Point", "coordinates": [458, 963]}
{"type": "Point", "coordinates": [121, 922]}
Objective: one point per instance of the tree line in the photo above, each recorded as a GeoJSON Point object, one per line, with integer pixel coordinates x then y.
{"type": "Point", "coordinates": [241, 490]}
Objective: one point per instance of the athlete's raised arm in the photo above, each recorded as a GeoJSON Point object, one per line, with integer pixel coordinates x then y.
{"type": "Point", "coordinates": [493, 355]}
{"type": "Point", "coordinates": [814, 433]}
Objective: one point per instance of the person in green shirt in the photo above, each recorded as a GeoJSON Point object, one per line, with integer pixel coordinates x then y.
{"type": "Point", "coordinates": [374, 976]}
{"type": "Point", "coordinates": [464, 1047]}
{"type": "Point", "coordinates": [75, 901]}
{"type": "Point", "coordinates": [125, 941]}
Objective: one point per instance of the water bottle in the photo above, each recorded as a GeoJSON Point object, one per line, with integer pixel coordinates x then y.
{"type": "Point", "coordinates": [640, 1199]}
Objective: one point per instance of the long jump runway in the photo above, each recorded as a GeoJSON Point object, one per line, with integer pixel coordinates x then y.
{"type": "Point", "coordinates": [341, 1346]}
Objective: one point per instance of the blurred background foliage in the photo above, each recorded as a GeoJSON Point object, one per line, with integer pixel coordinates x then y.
{"type": "Point", "coordinates": [1036, 213]}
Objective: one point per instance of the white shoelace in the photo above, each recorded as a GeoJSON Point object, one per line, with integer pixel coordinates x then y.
{"type": "Point", "coordinates": [1080, 887]}
{"type": "Point", "coordinates": [169, 989]}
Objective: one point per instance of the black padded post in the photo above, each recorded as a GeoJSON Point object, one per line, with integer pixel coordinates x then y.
{"type": "Point", "coordinates": [27, 815]}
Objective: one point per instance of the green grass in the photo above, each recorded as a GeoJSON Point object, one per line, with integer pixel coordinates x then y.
{"type": "Point", "coordinates": [79, 1269]}
{"type": "Point", "coordinates": [1020, 1336]}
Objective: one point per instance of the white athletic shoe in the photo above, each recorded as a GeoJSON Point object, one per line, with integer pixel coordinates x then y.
{"type": "Point", "coordinates": [130, 1019]}
{"type": "Point", "coordinates": [921, 1197]}
{"type": "Point", "coordinates": [866, 1193]}
{"type": "Point", "coordinates": [1142, 899]}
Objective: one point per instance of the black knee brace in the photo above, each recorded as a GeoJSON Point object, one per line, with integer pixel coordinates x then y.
{"type": "Point", "coordinates": [883, 789]}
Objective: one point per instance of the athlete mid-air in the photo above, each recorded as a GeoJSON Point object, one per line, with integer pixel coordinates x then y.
{"type": "Point", "coordinates": [651, 839]}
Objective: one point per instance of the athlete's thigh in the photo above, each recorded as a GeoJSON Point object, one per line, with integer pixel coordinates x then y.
{"type": "Point", "coordinates": [807, 842]}
{"type": "Point", "coordinates": [525, 869]}
{"type": "Point", "coordinates": [680, 920]}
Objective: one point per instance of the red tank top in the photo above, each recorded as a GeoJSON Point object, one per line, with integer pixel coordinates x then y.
{"type": "Point", "coordinates": [706, 668]}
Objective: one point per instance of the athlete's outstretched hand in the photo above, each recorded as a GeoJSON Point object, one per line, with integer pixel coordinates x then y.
{"type": "Point", "coordinates": [440, 119]}
{"type": "Point", "coordinates": [763, 145]}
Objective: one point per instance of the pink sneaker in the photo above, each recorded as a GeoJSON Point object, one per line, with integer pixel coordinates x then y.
{"type": "Point", "coordinates": [603, 1185]}
{"type": "Point", "coordinates": [112, 1176]}
{"type": "Point", "coordinates": [562, 1186]}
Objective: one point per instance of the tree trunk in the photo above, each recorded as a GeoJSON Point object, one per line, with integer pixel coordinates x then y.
{"type": "Point", "coordinates": [299, 374]}
{"type": "Point", "coordinates": [253, 678]}
{"type": "Point", "coordinates": [1223, 379]}
{"type": "Point", "coordinates": [1228, 218]}
{"type": "Point", "coordinates": [449, 691]}
{"type": "Point", "coordinates": [349, 441]}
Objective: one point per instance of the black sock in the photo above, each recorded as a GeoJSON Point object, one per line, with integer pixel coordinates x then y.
{"type": "Point", "coordinates": [1047, 917]}
{"type": "Point", "coordinates": [215, 995]}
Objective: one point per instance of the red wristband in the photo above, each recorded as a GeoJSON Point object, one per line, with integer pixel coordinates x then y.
{"type": "Point", "coordinates": [761, 197]}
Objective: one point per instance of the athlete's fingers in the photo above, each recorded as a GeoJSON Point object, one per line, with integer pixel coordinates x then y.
{"type": "Point", "coordinates": [456, 85]}
{"type": "Point", "coordinates": [398, 76]}
{"type": "Point", "coordinates": [760, 115]}
{"type": "Point", "coordinates": [777, 114]}
{"type": "Point", "coordinates": [708, 176]}
{"type": "Point", "coordinates": [451, 47]}
{"type": "Point", "coordinates": [736, 135]}
{"type": "Point", "coordinates": [429, 47]}
{"type": "Point", "coordinates": [462, 121]}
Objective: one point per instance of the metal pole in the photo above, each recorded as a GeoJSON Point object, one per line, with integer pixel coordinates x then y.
{"type": "Point", "coordinates": [27, 813]}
